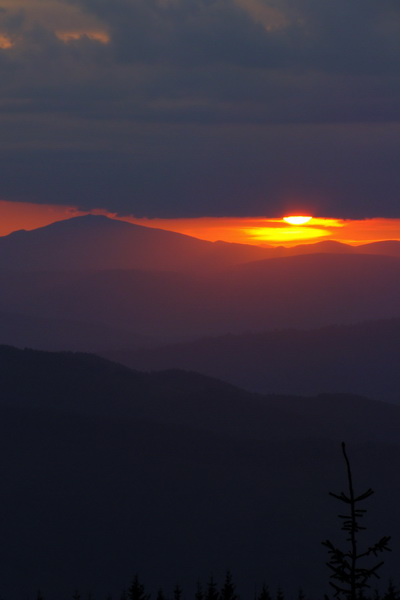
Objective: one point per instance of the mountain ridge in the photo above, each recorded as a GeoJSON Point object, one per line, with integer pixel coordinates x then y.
{"type": "Point", "coordinates": [359, 358]}
{"type": "Point", "coordinates": [99, 242]}
{"type": "Point", "coordinates": [304, 291]}
{"type": "Point", "coordinates": [29, 378]}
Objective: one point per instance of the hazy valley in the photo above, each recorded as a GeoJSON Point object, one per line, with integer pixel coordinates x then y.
{"type": "Point", "coordinates": [218, 451]}
{"type": "Point", "coordinates": [47, 276]}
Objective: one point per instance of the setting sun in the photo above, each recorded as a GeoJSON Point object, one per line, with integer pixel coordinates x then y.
{"type": "Point", "coordinates": [297, 220]}
{"type": "Point", "coordinates": [260, 231]}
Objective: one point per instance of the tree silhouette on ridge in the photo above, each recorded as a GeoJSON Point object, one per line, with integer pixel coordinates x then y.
{"type": "Point", "coordinates": [350, 575]}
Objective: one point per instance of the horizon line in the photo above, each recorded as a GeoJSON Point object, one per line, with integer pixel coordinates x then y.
{"type": "Point", "coordinates": [252, 230]}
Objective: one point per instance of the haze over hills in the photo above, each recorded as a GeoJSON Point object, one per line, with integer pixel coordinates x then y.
{"type": "Point", "coordinates": [60, 292]}
{"type": "Point", "coordinates": [177, 476]}
{"type": "Point", "coordinates": [172, 474]}
{"type": "Point", "coordinates": [362, 358]}
{"type": "Point", "coordinates": [301, 291]}
{"type": "Point", "coordinates": [43, 333]}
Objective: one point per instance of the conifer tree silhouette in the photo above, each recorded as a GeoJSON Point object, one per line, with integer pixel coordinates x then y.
{"type": "Point", "coordinates": [279, 594]}
{"type": "Point", "coordinates": [300, 595]}
{"type": "Point", "coordinates": [349, 574]}
{"type": "Point", "coordinates": [160, 595]}
{"type": "Point", "coordinates": [178, 592]}
{"type": "Point", "coordinates": [212, 592]}
{"type": "Point", "coordinates": [392, 593]}
{"type": "Point", "coordinates": [199, 595]}
{"type": "Point", "coordinates": [228, 589]}
{"type": "Point", "coordinates": [136, 590]}
{"type": "Point", "coordinates": [264, 594]}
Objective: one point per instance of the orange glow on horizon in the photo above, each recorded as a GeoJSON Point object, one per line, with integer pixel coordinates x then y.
{"type": "Point", "coordinates": [293, 230]}
{"type": "Point", "coordinates": [285, 236]}
{"type": "Point", "coordinates": [259, 231]}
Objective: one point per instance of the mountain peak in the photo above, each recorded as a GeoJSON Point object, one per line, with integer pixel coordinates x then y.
{"type": "Point", "coordinates": [98, 242]}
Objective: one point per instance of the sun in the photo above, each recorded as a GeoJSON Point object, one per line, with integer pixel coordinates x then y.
{"type": "Point", "coordinates": [297, 220]}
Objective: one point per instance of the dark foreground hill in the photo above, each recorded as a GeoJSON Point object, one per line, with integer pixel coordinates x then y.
{"type": "Point", "coordinates": [106, 472]}
{"type": "Point", "coordinates": [360, 359]}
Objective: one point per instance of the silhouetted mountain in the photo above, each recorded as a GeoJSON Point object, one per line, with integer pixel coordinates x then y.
{"type": "Point", "coordinates": [97, 242]}
{"type": "Point", "coordinates": [384, 248]}
{"type": "Point", "coordinates": [325, 247]}
{"type": "Point", "coordinates": [300, 291]}
{"type": "Point", "coordinates": [107, 472]}
{"type": "Point", "coordinates": [88, 384]}
{"type": "Point", "coordinates": [360, 359]}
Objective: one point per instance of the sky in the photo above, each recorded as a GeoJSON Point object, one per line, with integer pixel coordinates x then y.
{"type": "Point", "coordinates": [259, 231]}
{"type": "Point", "coordinates": [202, 108]}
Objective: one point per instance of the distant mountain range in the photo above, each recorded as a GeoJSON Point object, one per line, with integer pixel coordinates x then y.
{"type": "Point", "coordinates": [94, 242]}
{"type": "Point", "coordinates": [384, 248]}
{"type": "Point", "coordinates": [362, 358]}
{"type": "Point", "coordinates": [301, 292]}
{"type": "Point", "coordinates": [125, 291]}
{"type": "Point", "coordinates": [63, 273]}
{"type": "Point", "coordinates": [107, 472]}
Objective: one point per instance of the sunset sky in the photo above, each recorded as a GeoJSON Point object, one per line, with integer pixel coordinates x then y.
{"type": "Point", "coordinates": [166, 109]}
{"type": "Point", "coordinates": [262, 231]}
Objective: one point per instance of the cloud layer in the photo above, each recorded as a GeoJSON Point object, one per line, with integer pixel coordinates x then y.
{"type": "Point", "coordinates": [196, 107]}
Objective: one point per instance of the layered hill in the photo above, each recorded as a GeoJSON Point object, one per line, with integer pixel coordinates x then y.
{"type": "Point", "coordinates": [301, 291]}
{"type": "Point", "coordinates": [362, 358]}
{"type": "Point", "coordinates": [86, 384]}
{"type": "Point", "coordinates": [107, 472]}
{"type": "Point", "coordinates": [125, 281]}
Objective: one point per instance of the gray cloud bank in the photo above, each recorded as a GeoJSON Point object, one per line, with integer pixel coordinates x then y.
{"type": "Point", "coordinates": [202, 107]}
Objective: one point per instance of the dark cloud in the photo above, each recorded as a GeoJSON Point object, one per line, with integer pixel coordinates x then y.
{"type": "Point", "coordinates": [264, 170]}
{"type": "Point", "coordinates": [341, 36]}
{"type": "Point", "coordinates": [204, 106]}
